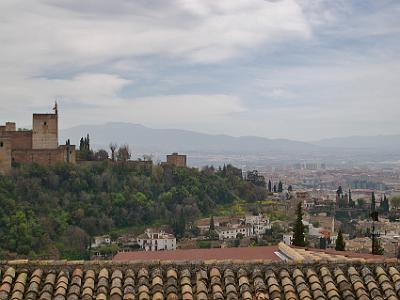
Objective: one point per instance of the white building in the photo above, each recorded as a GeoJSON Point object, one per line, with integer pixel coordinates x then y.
{"type": "Point", "coordinates": [232, 232]}
{"type": "Point", "coordinates": [156, 241]}
{"type": "Point", "coordinates": [288, 239]}
{"type": "Point", "coordinates": [259, 223]}
{"type": "Point", "coordinates": [101, 240]}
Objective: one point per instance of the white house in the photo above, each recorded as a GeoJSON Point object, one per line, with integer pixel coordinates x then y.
{"type": "Point", "coordinates": [101, 240]}
{"type": "Point", "coordinates": [156, 241]}
{"type": "Point", "coordinates": [288, 239]}
{"type": "Point", "coordinates": [232, 232]}
{"type": "Point", "coordinates": [259, 223]}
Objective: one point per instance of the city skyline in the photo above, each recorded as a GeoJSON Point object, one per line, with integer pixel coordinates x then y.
{"type": "Point", "coordinates": [301, 70]}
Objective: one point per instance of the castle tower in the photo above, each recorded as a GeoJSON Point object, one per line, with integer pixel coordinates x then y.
{"type": "Point", "coordinates": [45, 130]}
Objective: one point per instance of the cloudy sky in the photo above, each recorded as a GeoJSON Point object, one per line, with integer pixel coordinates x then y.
{"type": "Point", "coordinates": [298, 69]}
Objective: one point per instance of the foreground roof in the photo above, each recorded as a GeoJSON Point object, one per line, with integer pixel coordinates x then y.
{"type": "Point", "coordinates": [232, 280]}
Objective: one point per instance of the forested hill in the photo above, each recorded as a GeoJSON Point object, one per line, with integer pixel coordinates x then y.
{"type": "Point", "coordinates": [53, 212]}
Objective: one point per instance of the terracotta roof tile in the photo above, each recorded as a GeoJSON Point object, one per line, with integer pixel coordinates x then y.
{"type": "Point", "coordinates": [199, 281]}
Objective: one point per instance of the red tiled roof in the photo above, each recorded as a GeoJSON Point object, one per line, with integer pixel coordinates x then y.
{"type": "Point", "coordinates": [245, 253]}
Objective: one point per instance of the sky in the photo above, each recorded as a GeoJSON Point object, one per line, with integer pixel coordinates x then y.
{"type": "Point", "coordinates": [297, 69]}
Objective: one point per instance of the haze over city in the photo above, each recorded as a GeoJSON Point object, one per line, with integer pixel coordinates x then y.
{"type": "Point", "coordinates": [303, 70]}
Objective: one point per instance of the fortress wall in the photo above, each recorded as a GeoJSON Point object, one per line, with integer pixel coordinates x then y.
{"type": "Point", "coordinates": [5, 155]}
{"type": "Point", "coordinates": [46, 157]}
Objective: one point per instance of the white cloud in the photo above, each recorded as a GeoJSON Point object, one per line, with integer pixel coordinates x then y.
{"type": "Point", "coordinates": [94, 55]}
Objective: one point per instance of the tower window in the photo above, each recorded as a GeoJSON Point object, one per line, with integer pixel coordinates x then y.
{"type": "Point", "coordinates": [45, 123]}
{"type": "Point", "coordinates": [1, 144]}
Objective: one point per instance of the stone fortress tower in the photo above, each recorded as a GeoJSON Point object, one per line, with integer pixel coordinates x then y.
{"type": "Point", "coordinates": [39, 145]}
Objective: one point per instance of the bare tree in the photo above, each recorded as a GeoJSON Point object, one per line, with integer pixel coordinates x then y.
{"type": "Point", "coordinates": [113, 147]}
{"type": "Point", "coordinates": [124, 153]}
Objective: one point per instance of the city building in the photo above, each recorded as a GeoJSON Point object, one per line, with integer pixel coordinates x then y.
{"type": "Point", "coordinates": [39, 145]}
{"type": "Point", "coordinates": [176, 159]}
{"type": "Point", "coordinates": [156, 240]}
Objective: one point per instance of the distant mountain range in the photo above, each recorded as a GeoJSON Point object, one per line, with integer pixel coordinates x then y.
{"type": "Point", "coordinates": [243, 149]}
{"type": "Point", "coordinates": [167, 140]}
{"type": "Point", "coordinates": [360, 142]}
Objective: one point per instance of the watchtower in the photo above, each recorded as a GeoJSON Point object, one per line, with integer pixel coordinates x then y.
{"type": "Point", "coordinates": [45, 130]}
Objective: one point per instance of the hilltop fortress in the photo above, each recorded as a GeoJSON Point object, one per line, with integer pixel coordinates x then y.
{"type": "Point", "coordinates": [39, 145]}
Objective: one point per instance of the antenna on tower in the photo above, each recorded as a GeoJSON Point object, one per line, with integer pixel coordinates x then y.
{"type": "Point", "coordinates": [55, 108]}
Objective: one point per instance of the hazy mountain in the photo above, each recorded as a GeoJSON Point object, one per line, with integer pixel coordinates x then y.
{"type": "Point", "coordinates": [246, 151]}
{"type": "Point", "coordinates": [384, 142]}
{"type": "Point", "coordinates": [146, 139]}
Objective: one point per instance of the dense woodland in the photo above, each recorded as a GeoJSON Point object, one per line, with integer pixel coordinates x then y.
{"type": "Point", "coordinates": [55, 212]}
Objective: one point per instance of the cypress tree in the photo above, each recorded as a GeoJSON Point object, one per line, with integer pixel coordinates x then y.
{"type": "Point", "coordinates": [298, 230]}
{"type": "Point", "coordinates": [340, 244]}
{"type": "Point", "coordinates": [280, 187]}
{"type": "Point", "coordinates": [374, 213]}
{"type": "Point", "coordinates": [212, 225]}
{"type": "Point", "coordinates": [269, 186]}
{"type": "Point", "coordinates": [373, 202]}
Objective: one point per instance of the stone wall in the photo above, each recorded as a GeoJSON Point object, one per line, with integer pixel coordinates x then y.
{"type": "Point", "coordinates": [5, 155]}
{"type": "Point", "coordinates": [21, 139]}
{"type": "Point", "coordinates": [46, 157]}
{"type": "Point", "coordinates": [45, 131]}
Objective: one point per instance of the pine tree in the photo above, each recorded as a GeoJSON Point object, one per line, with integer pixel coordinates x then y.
{"type": "Point", "coordinates": [340, 244]}
{"type": "Point", "coordinates": [298, 230]}
{"type": "Point", "coordinates": [269, 186]}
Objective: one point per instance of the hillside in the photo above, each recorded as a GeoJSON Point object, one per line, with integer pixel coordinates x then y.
{"type": "Point", "coordinates": [55, 212]}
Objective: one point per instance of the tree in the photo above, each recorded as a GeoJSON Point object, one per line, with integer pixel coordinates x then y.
{"type": "Point", "coordinates": [269, 186]}
{"type": "Point", "coordinates": [376, 246]}
{"type": "Point", "coordinates": [85, 153]}
{"type": "Point", "coordinates": [340, 244]}
{"type": "Point", "coordinates": [385, 204]}
{"type": "Point", "coordinates": [360, 202]}
{"type": "Point", "coordinates": [298, 230]}
{"type": "Point", "coordinates": [124, 153]}
{"type": "Point", "coordinates": [113, 147]}
{"type": "Point", "coordinates": [101, 155]}
{"type": "Point", "coordinates": [290, 188]}
{"type": "Point", "coordinates": [374, 213]}
{"type": "Point", "coordinates": [373, 202]}
{"type": "Point", "coordinates": [351, 202]}
{"type": "Point", "coordinates": [280, 187]}
{"type": "Point", "coordinates": [339, 191]}
{"type": "Point", "coordinates": [274, 188]}
{"type": "Point", "coordinates": [212, 225]}
{"type": "Point", "coordinates": [395, 202]}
